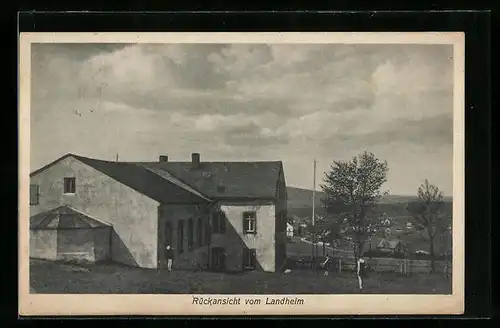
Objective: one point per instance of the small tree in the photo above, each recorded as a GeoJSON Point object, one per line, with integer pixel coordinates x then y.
{"type": "Point", "coordinates": [352, 191]}
{"type": "Point", "coordinates": [427, 214]}
{"type": "Point", "coordinates": [328, 231]}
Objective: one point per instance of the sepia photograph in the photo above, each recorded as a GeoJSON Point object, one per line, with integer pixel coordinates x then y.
{"type": "Point", "coordinates": [241, 173]}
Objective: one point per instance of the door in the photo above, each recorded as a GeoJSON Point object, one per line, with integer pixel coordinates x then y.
{"type": "Point", "coordinates": [218, 259]}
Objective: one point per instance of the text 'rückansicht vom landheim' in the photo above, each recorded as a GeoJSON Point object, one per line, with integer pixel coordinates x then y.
{"type": "Point", "coordinates": [213, 301]}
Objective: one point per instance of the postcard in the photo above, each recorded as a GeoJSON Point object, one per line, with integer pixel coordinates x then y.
{"type": "Point", "coordinates": [241, 173]}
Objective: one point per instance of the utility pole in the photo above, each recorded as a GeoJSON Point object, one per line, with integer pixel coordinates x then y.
{"type": "Point", "coordinates": [313, 210]}
{"type": "Point", "coordinates": [314, 191]}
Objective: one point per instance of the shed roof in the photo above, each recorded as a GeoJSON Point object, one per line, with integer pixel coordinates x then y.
{"type": "Point", "coordinates": [65, 217]}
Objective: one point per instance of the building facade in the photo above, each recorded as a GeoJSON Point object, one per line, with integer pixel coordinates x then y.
{"type": "Point", "coordinates": [226, 216]}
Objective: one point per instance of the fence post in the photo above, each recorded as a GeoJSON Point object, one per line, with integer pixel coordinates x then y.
{"type": "Point", "coordinates": [340, 265]}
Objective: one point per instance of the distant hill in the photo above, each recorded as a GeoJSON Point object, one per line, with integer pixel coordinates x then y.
{"type": "Point", "coordinates": [300, 201]}
{"type": "Point", "coordinates": [299, 197]}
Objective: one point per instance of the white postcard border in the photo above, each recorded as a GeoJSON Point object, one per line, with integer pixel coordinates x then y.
{"type": "Point", "coordinates": [106, 304]}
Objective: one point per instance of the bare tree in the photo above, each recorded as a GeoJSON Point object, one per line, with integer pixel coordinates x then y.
{"type": "Point", "coordinates": [427, 215]}
{"type": "Point", "coordinates": [353, 189]}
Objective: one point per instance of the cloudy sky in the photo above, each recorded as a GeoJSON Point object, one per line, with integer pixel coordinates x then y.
{"type": "Point", "coordinates": [249, 102]}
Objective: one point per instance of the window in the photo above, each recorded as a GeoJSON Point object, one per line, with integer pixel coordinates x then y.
{"type": "Point", "coordinates": [218, 258]}
{"type": "Point", "coordinates": [34, 193]}
{"type": "Point", "coordinates": [69, 185]}
{"type": "Point", "coordinates": [249, 259]}
{"type": "Point", "coordinates": [199, 232]}
{"type": "Point", "coordinates": [190, 234]}
{"type": "Point", "coordinates": [218, 222]}
{"type": "Point", "coordinates": [208, 232]}
{"type": "Point", "coordinates": [249, 222]}
{"type": "Point", "coordinates": [168, 233]}
{"type": "Point", "coordinates": [180, 236]}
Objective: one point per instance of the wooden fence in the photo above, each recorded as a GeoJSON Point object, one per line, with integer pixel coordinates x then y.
{"type": "Point", "coordinates": [403, 266]}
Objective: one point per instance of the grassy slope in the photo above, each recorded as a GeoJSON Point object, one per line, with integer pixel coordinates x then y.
{"type": "Point", "coordinates": [50, 277]}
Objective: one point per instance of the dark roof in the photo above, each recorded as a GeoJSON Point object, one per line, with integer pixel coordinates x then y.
{"type": "Point", "coordinates": [257, 180]}
{"type": "Point", "coordinates": [381, 242]}
{"type": "Point", "coordinates": [144, 181]}
{"type": "Point", "coordinates": [179, 182]}
{"type": "Point", "coordinates": [389, 243]}
{"type": "Point", "coordinates": [65, 217]}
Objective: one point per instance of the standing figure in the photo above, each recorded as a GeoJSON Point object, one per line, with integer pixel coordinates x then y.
{"type": "Point", "coordinates": [361, 272]}
{"type": "Point", "coordinates": [169, 255]}
{"type": "Point", "coordinates": [326, 265]}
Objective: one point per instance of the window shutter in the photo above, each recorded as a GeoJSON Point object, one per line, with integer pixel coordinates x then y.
{"type": "Point", "coordinates": [180, 236]}
{"type": "Point", "coordinates": [208, 233]}
{"type": "Point", "coordinates": [245, 257]}
{"type": "Point", "coordinates": [168, 233]}
{"type": "Point", "coordinates": [215, 223]}
{"type": "Point", "coordinates": [199, 232]}
{"type": "Point", "coordinates": [244, 222]}
{"type": "Point", "coordinates": [190, 233]}
{"type": "Point", "coordinates": [222, 222]}
{"type": "Point", "coordinates": [254, 215]}
{"type": "Point", "coordinates": [34, 192]}
{"type": "Point", "coordinates": [253, 257]}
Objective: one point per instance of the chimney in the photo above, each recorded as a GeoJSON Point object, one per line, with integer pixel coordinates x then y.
{"type": "Point", "coordinates": [163, 158]}
{"type": "Point", "coordinates": [195, 159]}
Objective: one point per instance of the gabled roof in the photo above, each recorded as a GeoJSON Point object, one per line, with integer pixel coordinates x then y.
{"type": "Point", "coordinates": [180, 182]}
{"type": "Point", "coordinates": [65, 217]}
{"type": "Point", "coordinates": [139, 178]}
{"type": "Point", "coordinates": [258, 180]}
{"type": "Point", "coordinates": [387, 243]}
{"type": "Point", "coordinates": [144, 181]}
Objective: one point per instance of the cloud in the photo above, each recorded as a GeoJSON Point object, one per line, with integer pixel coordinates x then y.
{"type": "Point", "coordinates": [243, 101]}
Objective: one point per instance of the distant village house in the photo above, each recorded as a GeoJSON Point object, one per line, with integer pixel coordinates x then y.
{"type": "Point", "coordinates": [394, 246]}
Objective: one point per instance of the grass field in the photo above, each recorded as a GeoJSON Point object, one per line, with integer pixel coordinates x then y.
{"type": "Point", "coordinates": [56, 278]}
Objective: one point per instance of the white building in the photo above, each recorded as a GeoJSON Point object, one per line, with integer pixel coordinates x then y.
{"type": "Point", "coordinates": [289, 230]}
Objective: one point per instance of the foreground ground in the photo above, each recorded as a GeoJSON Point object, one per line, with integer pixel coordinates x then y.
{"type": "Point", "coordinates": [51, 277]}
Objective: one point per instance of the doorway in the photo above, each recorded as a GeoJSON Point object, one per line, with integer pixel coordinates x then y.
{"type": "Point", "coordinates": [218, 259]}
